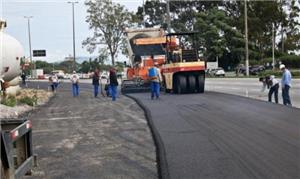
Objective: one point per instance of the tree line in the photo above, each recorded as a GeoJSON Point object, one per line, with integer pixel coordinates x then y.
{"type": "Point", "coordinates": [84, 67]}
{"type": "Point", "coordinates": [220, 26]}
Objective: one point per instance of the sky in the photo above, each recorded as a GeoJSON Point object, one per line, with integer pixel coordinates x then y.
{"type": "Point", "coordinates": [51, 26]}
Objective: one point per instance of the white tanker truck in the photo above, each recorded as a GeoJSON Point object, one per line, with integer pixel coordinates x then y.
{"type": "Point", "coordinates": [17, 156]}
{"type": "Point", "coordinates": [11, 54]}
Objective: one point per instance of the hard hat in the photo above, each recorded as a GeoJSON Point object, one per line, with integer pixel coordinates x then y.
{"type": "Point", "coordinates": [281, 66]}
{"type": "Point", "coordinates": [74, 72]}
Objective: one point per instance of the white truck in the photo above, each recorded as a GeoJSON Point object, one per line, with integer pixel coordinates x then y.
{"type": "Point", "coordinates": [37, 73]}
{"type": "Point", "coordinates": [17, 157]}
{"type": "Point", "coordinates": [11, 55]}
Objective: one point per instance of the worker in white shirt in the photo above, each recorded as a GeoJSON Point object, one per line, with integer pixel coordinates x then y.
{"type": "Point", "coordinates": [75, 84]}
{"type": "Point", "coordinates": [273, 85]}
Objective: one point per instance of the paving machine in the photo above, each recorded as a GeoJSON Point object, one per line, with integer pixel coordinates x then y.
{"type": "Point", "coordinates": [145, 46]}
{"type": "Point", "coordinates": [176, 54]}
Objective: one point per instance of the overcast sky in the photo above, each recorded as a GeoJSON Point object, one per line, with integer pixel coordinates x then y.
{"type": "Point", "coordinates": [51, 25]}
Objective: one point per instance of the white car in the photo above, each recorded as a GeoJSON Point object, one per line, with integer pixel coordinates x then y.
{"type": "Point", "coordinates": [219, 72]}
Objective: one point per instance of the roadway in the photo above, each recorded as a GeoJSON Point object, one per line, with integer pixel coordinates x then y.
{"type": "Point", "coordinates": [247, 87]}
{"type": "Point", "coordinates": [215, 135]}
{"type": "Point", "coordinates": [250, 87]}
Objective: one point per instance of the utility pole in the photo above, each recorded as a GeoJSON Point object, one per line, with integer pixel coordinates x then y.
{"type": "Point", "coordinates": [29, 36]}
{"type": "Point", "coordinates": [144, 14]}
{"type": "Point", "coordinates": [74, 56]}
{"type": "Point", "coordinates": [168, 16]}
{"type": "Point", "coordinates": [246, 40]}
{"type": "Point", "coordinates": [273, 48]}
{"type": "Point", "coordinates": [282, 30]}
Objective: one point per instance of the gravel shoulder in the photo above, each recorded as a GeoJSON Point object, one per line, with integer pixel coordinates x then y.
{"type": "Point", "coordinates": [87, 137]}
{"type": "Point", "coordinates": [7, 112]}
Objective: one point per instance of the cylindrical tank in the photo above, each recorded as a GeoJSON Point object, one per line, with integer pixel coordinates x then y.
{"type": "Point", "coordinates": [11, 52]}
{"type": "Point", "coordinates": [13, 90]}
{"type": "Point", "coordinates": [14, 82]}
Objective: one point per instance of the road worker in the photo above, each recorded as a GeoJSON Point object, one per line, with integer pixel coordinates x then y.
{"type": "Point", "coordinates": [75, 84]}
{"type": "Point", "coordinates": [113, 83]}
{"type": "Point", "coordinates": [95, 82]}
{"type": "Point", "coordinates": [273, 85]}
{"type": "Point", "coordinates": [286, 84]}
{"type": "Point", "coordinates": [155, 78]}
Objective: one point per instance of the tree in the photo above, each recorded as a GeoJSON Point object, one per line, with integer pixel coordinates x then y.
{"type": "Point", "coordinates": [108, 20]}
{"type": "Point", "coordinates": [216, 36]}
{"type": "Point", "coordinates": [85, 67]}
{"type": "Point", "coordinates": [47, 67]}
{"type": "Point", "coordinates": [290, 26]}
{"type": "Point", "coordinates": [66, 66]}
{"type": "Point", "coordinates": [155, 14]}
{"type": "Point", "coordinates": [103, 56]}
{"type": "Point", "coordinates": [221, 26]}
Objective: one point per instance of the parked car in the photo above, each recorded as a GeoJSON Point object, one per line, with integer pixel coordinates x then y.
{"type": "Point", "coordinates": [216, 72]}
{"type": "Point", "coordinates": [219, 72]}
{"type": "Point", "coordinates": [253, 70]}
{"type": "Point", "coordinates": [241, 69]}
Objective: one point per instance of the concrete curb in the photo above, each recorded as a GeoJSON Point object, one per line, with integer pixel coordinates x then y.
{"type": "Point", "coordinates": [162, 164]}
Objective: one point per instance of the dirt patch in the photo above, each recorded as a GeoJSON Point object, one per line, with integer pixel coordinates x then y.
{"type": "Point", "coordinates": [41, 96]}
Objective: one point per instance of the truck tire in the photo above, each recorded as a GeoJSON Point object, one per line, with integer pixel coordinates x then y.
{"type": "Point", "coordinates": [201, 83]}
{"type": "Point", "coordinates": [192, 83]}
{"type": "Point", "coordinates": [181, 84]}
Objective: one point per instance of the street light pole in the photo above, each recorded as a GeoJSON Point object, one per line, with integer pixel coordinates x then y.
{"type": "Point", "coordinates": [144, 14]}
{"type": "Point", "coordinates": [74, 56]}
{"type": "Point", "coordinates": [246, 40]}
{"type": "Point", "coordinates": [29, 36]}
{"type": "Point", "coordinates": [273, 48]}
{"type": "Point", "coordinates": [168, 16]}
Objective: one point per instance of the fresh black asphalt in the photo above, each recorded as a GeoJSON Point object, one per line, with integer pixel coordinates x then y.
{"type": "Point", "coordinates": [214, 135]}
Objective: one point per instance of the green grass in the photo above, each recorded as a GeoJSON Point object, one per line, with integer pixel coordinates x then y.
{"type": "Point", "coordinates": [28, 100]}
{"type": "Point", "coordinates": [277, 73]}
{"type": "Point", "coordinates": [9, 101]}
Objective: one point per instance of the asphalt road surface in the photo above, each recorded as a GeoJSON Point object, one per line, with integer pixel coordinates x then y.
{"type": "Point", "coordinates": [86, 137]}
{"type": "Point", "coordinates": [250, 87]}
{"type": "Point", "coordinates": [214, 135]}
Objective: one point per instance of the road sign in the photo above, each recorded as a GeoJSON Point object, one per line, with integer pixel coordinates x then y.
{"type": "Point", "coordinates": [39, 53]}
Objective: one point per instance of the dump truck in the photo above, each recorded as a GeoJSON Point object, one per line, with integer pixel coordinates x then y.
{"type": "Point", "coordinates": [177, 55]}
